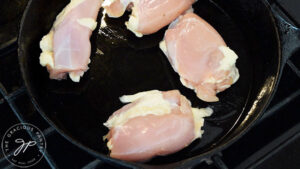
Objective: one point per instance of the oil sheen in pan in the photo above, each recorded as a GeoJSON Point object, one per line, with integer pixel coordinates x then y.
{"type": "Point", "coordinates": [129, 65]}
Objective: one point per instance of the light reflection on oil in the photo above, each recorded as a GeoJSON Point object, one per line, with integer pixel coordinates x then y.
{"type": "Point", "coordinates": [265, 91]}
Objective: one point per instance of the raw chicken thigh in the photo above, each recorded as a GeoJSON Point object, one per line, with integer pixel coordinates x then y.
{"type": "Point", "coordinates": [154, 123]}
{"type": "Point", "coordinates": [148, 16]}
{"type": "Point", "coordinates": [200, 56]}
{"type": "Point", "coordinates": [66, 49]}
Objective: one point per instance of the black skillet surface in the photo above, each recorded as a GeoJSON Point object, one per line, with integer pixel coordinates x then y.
{"type": "Point", "coordinates": [130, 65]}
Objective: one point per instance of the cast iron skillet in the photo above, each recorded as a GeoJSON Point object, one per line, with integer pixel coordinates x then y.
{"type": "Point", "coordinates": [130, 65]}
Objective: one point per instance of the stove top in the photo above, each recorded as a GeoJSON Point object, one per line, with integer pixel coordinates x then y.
{"type": "Point", "coordinates": [272, 143]}
{"type": "Point", "coordinates": [10, 14]}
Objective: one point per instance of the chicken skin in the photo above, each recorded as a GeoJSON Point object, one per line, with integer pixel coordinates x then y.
{"type": "Point", "coordinates": [148, 16]}
{"type": "Point", "coordinates": [153, 123]}
{"type": "Point", "coordinates": [200, 56]}
{"type": "Point", "coordinates": [66, 49]}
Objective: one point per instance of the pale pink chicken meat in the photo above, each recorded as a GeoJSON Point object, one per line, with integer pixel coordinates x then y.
{"type": "Point", "coordinates": [200, 56]}
{"type": "Point", "coordinates": [148, 16]}
{"type": "Point", "coordinates": [154, 123]}
{"type": "Point", "coordinates": [67, 48]}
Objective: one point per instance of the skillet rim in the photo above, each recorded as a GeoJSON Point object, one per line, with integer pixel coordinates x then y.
{"type": "Point", "coordinates": [186, 161]}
